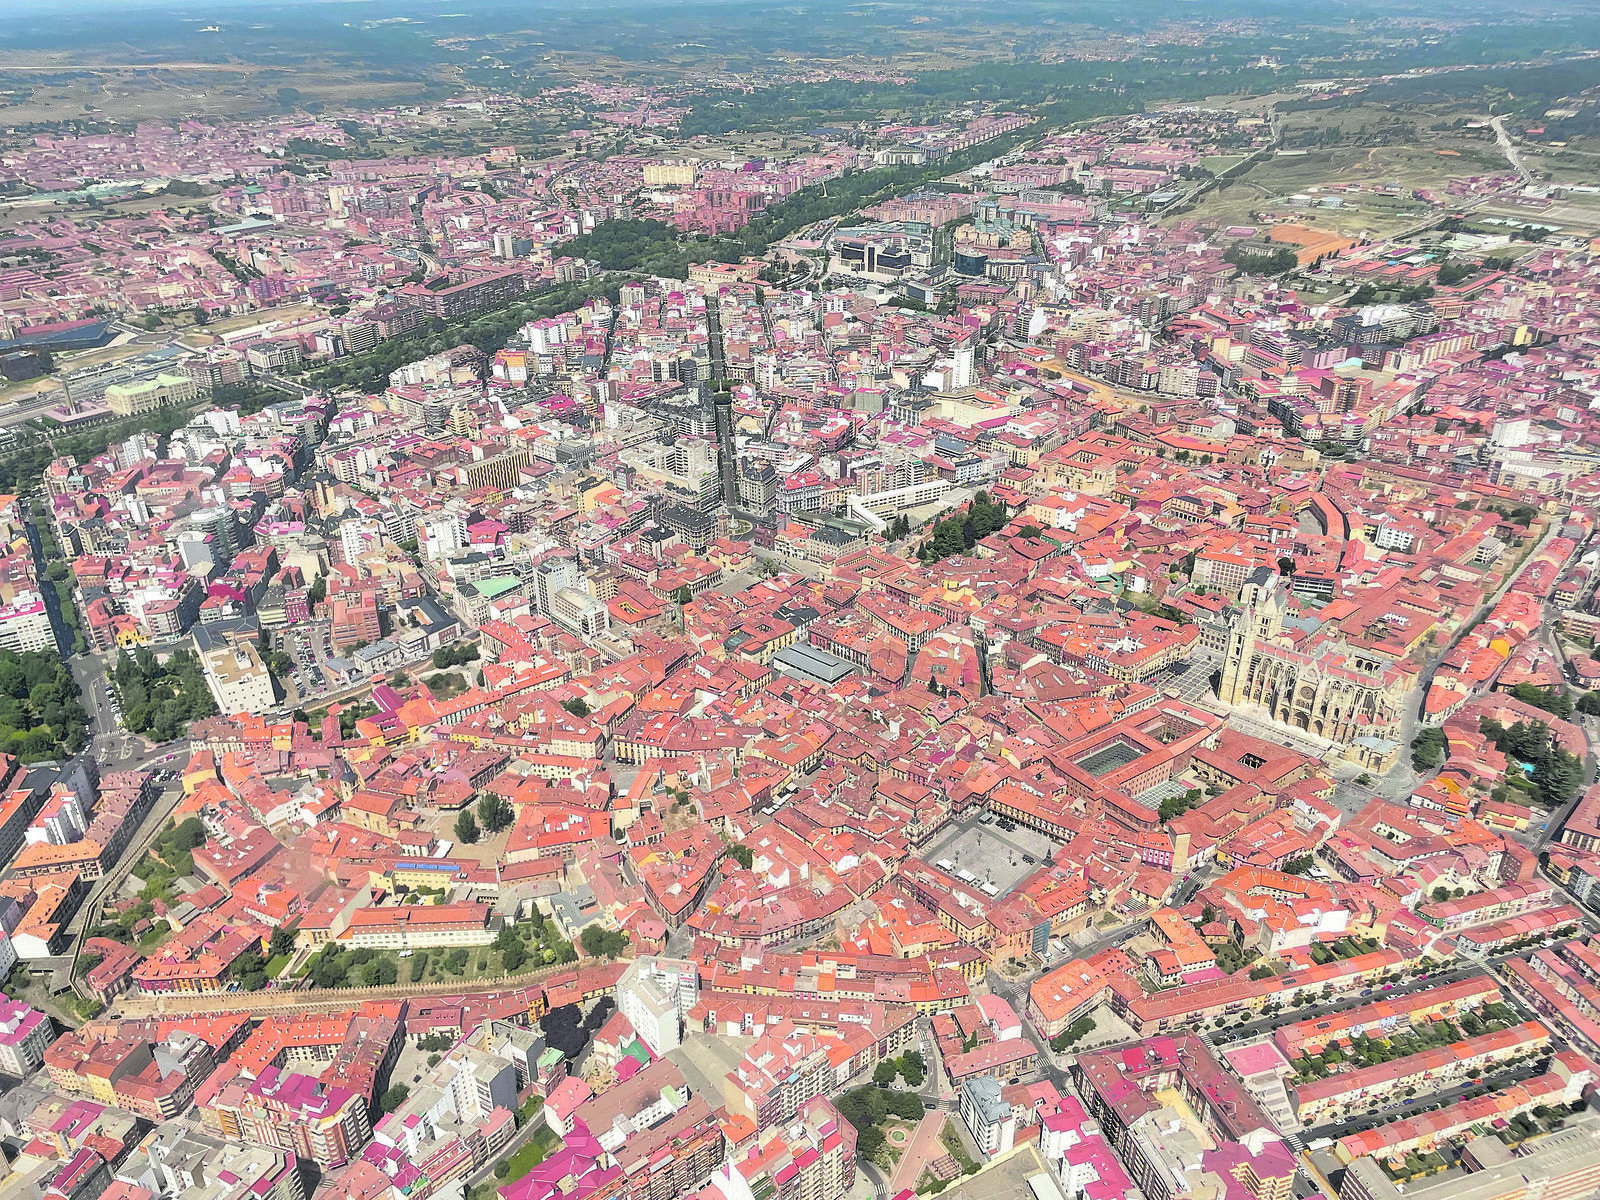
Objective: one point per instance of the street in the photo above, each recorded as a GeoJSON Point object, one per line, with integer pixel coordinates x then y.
{"type": "Point", "coordinates": [1443, 1097]}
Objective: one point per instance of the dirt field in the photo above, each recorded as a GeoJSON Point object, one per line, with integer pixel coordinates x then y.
{"type": "Point", "coordinates": [207, 335]}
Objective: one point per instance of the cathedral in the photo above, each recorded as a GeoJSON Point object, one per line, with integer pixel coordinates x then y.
{"type": "Point", "coordinates": [1326, 688]}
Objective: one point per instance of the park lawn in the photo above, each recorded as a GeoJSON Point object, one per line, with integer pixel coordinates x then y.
{"type": "Point", "coordinates": [276, 966]}
{"type": "Point", "coordinates": [952, 1142]}
{"type": "Point", "coordinates": [493, 964]}
{"type": "Point", "coordinates": [531, 1155]}
{"type": "Point", "coordinates": [437, 972]}
{"type": "Point", "coordinates": [891, 1151]}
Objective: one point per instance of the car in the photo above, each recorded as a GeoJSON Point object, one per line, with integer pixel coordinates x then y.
{"type": "Point", "coordinates": [1029, 859]}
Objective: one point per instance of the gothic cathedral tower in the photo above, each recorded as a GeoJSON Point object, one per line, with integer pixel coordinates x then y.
{"type": "Point", "coordinates": [1260, 619]}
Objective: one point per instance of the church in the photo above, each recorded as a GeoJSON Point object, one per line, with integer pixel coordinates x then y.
{"type": "Point", "coordinates": [1325, 688]}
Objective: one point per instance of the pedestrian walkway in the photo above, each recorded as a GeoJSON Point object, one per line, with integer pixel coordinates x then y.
{"type": "Point", "coordinates": [925, 1148]}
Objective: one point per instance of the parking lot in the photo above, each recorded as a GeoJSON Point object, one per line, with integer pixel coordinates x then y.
{"type": "Point", "coordinates": [993, 855]}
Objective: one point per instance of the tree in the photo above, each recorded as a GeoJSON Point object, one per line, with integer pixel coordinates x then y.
{"type": "Point", "coordinates": [331, 968]}
{"type": "Point", "coordinates": [576, 706]}
{"type": "Point", "coordinates": [886, 1072]}
{"type": "Point", "coordinates": [905, 1105]}
{"type": "Point", "coordinates": [466, 827]}
{"type": "Point", "coordinates": [742, 855]}
{"type": "Point", "coordinates": [599, 1014]}
{"type": "Point", "coordinates": [1072, 1034]}
{"type": "Point", "coordinates": [682, 595]}
{"type": "Point", "coordinates": [250, 969]}
{"type": "Point", "coordinates": [1175, 806]}
{"type": "Point", "coordinates": [563, 1029]}
{"type": "Point", "coordinates": [282, 941]}
{"type": "Point", "coordinates": [457, 655]}
{"type": "Point", "coordinates": [394, 1097]}
{"type": "Point", "coordinates": [1265, 262]}
{"type": "Point", "coordinates": [495, 812]}
{"type": "Point", "coordinates": [961, 531]}
{"type": "Point", "coordinates": [602, 943]}
{"type": "Point", "coordinates": [1553, 699]}
{"type": "Point", "coordinates": [1428, 749]}
{"type": "Point", "coordinates": [870, 1142]}
{"type": "Point", "coordinates": [1589, 704]}
{"type": "Point", "coordinates": [513, 957]}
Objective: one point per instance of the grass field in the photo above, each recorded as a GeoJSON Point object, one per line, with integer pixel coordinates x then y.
{"type": "Point", "coordinates": [1564, 165]}
{"type": "Point", "coordinates": [1364, 144]}
{"type": "Point", "coordinates": [1267, 186]}
{"type": "Point", "coordinates": [126, 92]}
{"type": "Point", "coordinates": [532, 1154]}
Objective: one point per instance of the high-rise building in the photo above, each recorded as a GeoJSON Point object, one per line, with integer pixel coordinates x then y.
{"type": "Point", "coordinates": [238, 679]}
{"type": "Point", "coordinates": [24, 1034]}
{"type": "Point", "coordinates": [656, 994]}
{"type": "Point", "coordinates": [988, 1115]}
{"type": "Point", "coordinates": [216, 525]}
